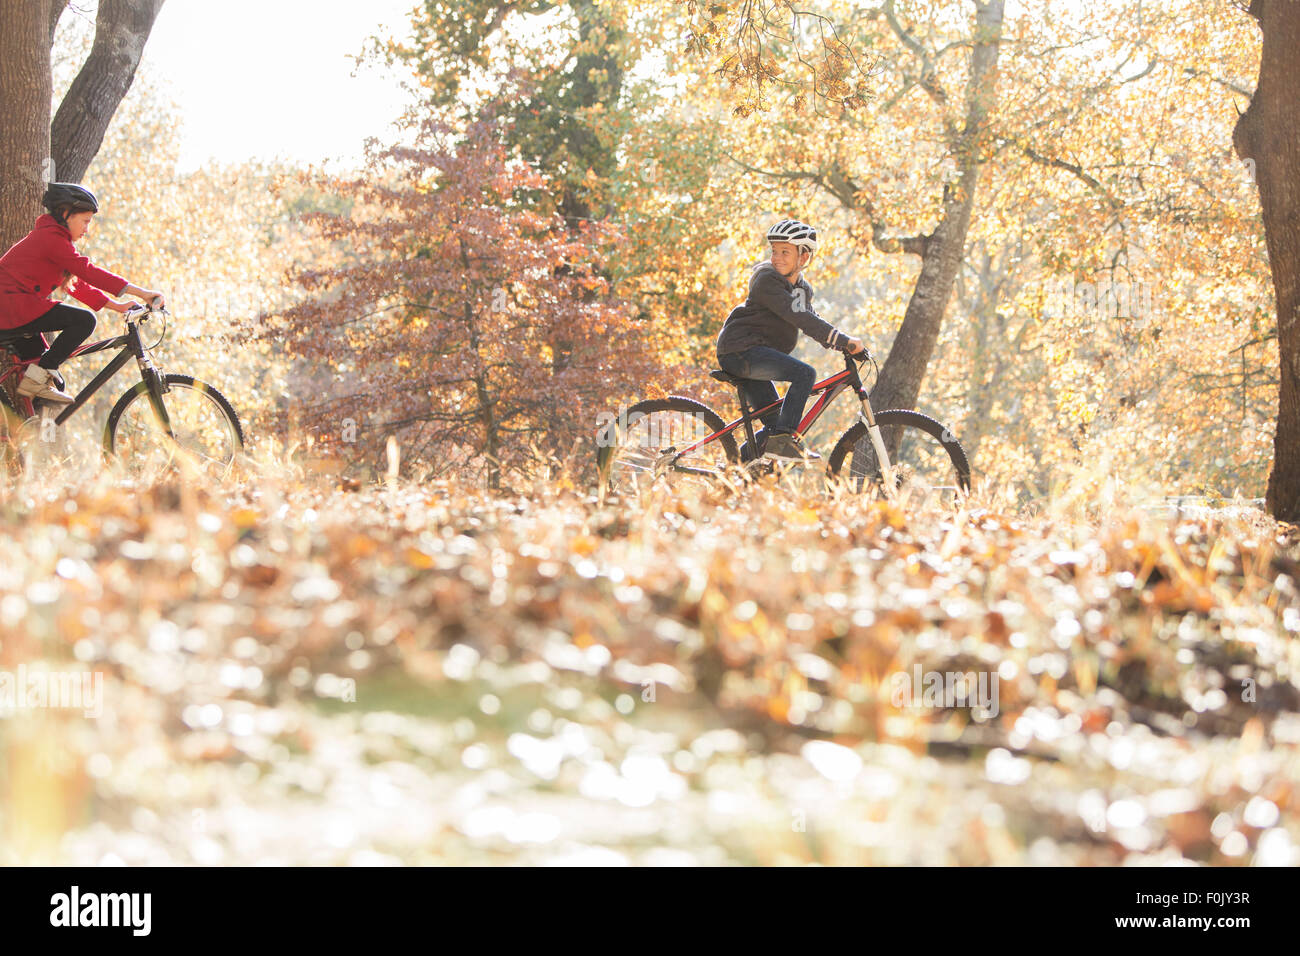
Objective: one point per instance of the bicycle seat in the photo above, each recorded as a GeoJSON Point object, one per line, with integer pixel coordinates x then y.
{"type": "Point", "coordinates": [722, 376]}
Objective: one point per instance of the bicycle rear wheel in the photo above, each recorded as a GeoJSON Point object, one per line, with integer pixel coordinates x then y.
{"type": "Point", "coordinates": [205, 431]}
{"type": "Point", "coordinates": [930, 464]}
{"type": "Point", "coordinates": [641, 445]}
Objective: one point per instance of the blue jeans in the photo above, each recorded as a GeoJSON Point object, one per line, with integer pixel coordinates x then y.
{"type": "Point", "coordinates": [763, 366]}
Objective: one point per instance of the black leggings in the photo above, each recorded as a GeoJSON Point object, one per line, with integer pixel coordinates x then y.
{"type": "Point", "coordinates": [73, 325]}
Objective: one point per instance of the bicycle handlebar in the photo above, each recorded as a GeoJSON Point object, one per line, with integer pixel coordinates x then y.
{"type": "Point", "coordinates": [157, 305]}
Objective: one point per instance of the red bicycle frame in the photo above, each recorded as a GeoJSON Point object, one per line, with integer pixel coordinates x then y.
{"type": "Point", "coordinates": [829, 388]}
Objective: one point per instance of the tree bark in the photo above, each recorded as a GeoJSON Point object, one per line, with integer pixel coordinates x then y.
{"type": "Point", "coordinates": [25, 92]}
{"type": "Point", "coordinates": [1268, 134]}
{"type": "Point", "coordinates": [56, 11]}
{"type": "Point", "coordinates": [943, 250]}
{"type": "Point", "coordinates": [121, 29]}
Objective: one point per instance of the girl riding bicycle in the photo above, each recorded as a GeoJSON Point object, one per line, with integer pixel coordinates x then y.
{"type": "Point", "coordinates": [46, 260]}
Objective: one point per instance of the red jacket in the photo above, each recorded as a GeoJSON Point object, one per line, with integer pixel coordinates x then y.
{"type": "Point", "coordinates": [33, 268]}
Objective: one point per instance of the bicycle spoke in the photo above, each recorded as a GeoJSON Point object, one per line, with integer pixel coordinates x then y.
{"type": "Point", "coordinates": [923, 469]}
{"type": "Point", "coordinates": [651, 446]}
{"type": "Point", "coordinates": [200, 432]}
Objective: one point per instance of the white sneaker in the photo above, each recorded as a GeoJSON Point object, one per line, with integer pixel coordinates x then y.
{"type": "Point", "coordinates": [38, 382]}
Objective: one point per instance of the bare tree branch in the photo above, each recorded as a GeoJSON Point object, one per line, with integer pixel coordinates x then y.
{"type": "Point", "coordinates": [1222, 81]}
{"type": "Point", "coordinates": [928, 81]}
{"type": "Point", "coordinates": [56, 11]}
{"type": "Point", "coordinates": [1075, 170]}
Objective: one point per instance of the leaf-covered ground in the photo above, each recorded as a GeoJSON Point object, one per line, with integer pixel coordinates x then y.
{"type": "Point", "coordinates": [298, 673]}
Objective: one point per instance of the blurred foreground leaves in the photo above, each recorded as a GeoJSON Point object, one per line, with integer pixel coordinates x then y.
{"type": "Point", "coordinates": [301, 674]}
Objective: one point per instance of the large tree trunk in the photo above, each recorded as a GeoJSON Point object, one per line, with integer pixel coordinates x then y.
{"type": "Point", "coordinates": [25, 92]}
{"type": "Point", "coordinates": [1268, 134]}
{"type": "Point", "coordinates": [944, 249]}
{"type": "Point", "coordinates": [121, 29]}
{"type": "Point", "coordinates": [30, 153]}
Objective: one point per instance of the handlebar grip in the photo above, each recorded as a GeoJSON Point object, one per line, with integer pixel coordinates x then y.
{"type": "Point", "coordinates": [157, 303]}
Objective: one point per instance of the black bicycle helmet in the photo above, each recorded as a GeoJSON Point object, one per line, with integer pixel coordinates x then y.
{"type": "Point", "coordinates": [69, 196]}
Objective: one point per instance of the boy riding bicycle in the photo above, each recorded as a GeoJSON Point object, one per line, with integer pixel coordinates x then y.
{"type": "Point", "coordinates": [45, 260]}
{"type": "Point", "coordinates": [757, 338]}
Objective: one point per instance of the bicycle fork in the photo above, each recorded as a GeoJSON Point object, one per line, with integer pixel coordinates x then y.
{"type": "Point", "coordinates": [868, 418]}
{"type": "Point", "coordinates": [155, 381]}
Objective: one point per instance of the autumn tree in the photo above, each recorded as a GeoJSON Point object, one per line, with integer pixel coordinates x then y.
{"type": "Point", "coordinates": [32, 151]}
{"type": "Point", "coordinates": [1268, 135]}
{"type": "Point", "coordinates": [1125, 253]}
{"type": "Point", "coordinates": [962, 104]}
{"type": "Point", "coordinates": [1079, 190]}
{"type": "Point", "coordinates": [557, 118]}
{"type": "Point", "coordinates": [609, 135]}
{"type": "Point", "coordinates": [442, 326]}
{"type": "Point", "coordinates": [943, 248]}
{"type": "Point", "coordinates": [750, 46]}
{"type": "Point", "coordinates": [1100, 171]}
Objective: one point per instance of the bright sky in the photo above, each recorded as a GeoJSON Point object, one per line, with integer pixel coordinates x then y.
{"type": "Point", "coordinates": [267, 78]}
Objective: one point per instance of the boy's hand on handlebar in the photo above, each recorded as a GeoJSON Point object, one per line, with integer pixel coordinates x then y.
{"type": "Point", "coordinates": [153, 300]}
{"type": "Point", "coordinates": [854, 346]}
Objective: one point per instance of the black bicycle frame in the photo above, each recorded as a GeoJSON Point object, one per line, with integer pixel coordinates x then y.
{"type": "Point", "coordinates": [132, 347]}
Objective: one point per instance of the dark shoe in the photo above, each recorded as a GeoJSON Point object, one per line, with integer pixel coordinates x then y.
{"type": "Point", "coordinates": [789, 448]}
{"type": "Point", "coordinates": [747, 453]}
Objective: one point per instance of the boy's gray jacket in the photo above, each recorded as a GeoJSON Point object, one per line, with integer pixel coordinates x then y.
{"type": "Point", "coordinates": [773, 313]}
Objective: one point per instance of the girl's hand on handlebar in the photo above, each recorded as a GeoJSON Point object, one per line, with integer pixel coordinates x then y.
{"type": "Point", "coordinates": [152, 299]}
{"type": "Point", "coordinates": [122, 307]}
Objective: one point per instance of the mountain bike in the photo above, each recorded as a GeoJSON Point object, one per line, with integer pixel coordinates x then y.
{"type": "Point", "coordinates": [161, 421]}
{"type": "Point", "coordinates": [678, 437]}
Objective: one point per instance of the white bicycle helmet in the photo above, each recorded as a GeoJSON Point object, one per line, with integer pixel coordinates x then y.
{"type": "Point", "coordinates": [794, 232]}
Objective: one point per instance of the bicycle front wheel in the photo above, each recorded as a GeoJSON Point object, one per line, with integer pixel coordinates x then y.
{"type": "Point", "coordinates": [190, 423]}
{"type": "Point", "coordinates": [930, 463]}
{"type": "Point", "coordinates": [644, 443]}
